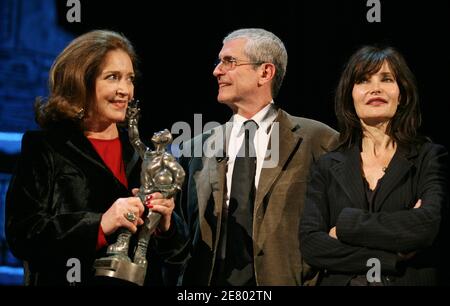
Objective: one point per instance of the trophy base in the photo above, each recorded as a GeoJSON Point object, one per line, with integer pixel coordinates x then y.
{"type": "Point", "coordinates": [127, 271]}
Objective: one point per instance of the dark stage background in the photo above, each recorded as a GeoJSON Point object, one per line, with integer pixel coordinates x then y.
{"type": "Point", "coordinates": [178, 42]}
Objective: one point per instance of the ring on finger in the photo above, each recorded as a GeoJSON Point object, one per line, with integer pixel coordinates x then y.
{"type": "Point", "coordinates": [130, 216]}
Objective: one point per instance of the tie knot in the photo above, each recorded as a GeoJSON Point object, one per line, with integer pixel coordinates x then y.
{"type": "Point", "coordinates": [248, 149]}
{"type": "Point", "coordinates": [250, 127]}
{"type": "Point", "coordinates": [249, 124]}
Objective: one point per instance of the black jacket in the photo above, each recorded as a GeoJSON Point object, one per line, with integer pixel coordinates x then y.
{"type": "Point", "coordinates": [56, 197]}
{"type": "Point", "coordinates": [336, 197]}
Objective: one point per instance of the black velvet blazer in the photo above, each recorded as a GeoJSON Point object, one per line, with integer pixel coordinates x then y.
{"type": "Point", "coordinates": [336, 197]}
{"type": "Point", "coordinates": [55, 201]}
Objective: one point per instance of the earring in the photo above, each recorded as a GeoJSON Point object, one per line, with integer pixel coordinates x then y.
{"type": "Point", "coordinates": [80, 114]}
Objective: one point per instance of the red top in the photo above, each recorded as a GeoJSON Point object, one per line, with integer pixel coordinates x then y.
{"type": "Point", "coordinates": [110, 150]}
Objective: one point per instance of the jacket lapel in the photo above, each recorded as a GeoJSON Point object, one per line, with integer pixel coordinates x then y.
{"type": "Point", "coordinates": [289, 137]}
{"type": "Point", "coordinates": [129, 155]}
{"type": "Point", "coordinates": [348, 175]}
{"type": "Point", "coordinates": [217, 174]}
{"type": "Point", "coordinates": [216, 167]}
{"type": "Point", "coordinates": [81, 146]}
{"type": "Point", "coordinates": [398, 168]}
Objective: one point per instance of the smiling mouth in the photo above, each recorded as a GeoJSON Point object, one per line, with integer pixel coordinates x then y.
{"type": "Point", "coordinates": [376, 102]}
{"type": "Point", "coordinates": [119, 104]}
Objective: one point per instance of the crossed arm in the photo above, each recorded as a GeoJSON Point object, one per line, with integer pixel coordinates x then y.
{"type": "Point", "coordinates": [358, 234]}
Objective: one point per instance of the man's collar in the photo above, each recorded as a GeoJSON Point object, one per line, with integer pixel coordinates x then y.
{"type": "Point", "coordinates": [263, 118]}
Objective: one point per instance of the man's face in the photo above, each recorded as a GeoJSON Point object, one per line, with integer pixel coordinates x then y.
{"type": "Point", "coordinates": [237, 81]}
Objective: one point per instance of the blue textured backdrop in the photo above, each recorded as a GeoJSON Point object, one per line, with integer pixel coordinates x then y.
{"type": "Point", "coordinates": [30, 39]}
{"type": "Point", "coordinates": [29, 42]}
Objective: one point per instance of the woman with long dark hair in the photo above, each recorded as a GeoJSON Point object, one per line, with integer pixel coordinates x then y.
{"type": "Point", "coordinates": [374, 205]}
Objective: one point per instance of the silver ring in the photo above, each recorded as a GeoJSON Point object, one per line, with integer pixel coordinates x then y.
{"type": "Point", "coordinates": [130, 216]}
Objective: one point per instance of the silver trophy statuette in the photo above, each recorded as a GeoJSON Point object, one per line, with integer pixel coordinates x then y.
{"type": "Point", "coordinates": [160, 172]}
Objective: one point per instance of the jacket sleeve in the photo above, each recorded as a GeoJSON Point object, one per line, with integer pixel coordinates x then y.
{"type": "Point", "coordinates": [406, 230]}
{"type": "Point", "coordinates": [36, 229]}
{"type": "Point", "coordinates": [171, 244]}
{"type": "Point", "coordinates": [324, 252]}
{"type": "Point", "coordinates": [174, 245]}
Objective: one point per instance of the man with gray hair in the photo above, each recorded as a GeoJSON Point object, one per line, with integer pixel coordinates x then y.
{"type": "Point", "coordinates": [243, 208]}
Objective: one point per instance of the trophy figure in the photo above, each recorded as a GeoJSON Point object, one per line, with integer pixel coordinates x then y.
{"type": "Point", "coordinates": [160, 172]}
